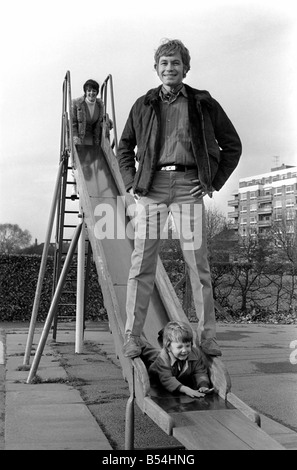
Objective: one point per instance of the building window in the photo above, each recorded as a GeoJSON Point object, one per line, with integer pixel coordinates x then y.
{"type": "Point", "coordinates": [290, 203]}
{"type": "Point", "coordinates": [243, 196]}
{"type": "Point", "coordinates": [290, 215]}
{"type": "Point", "coordinates": [253, 207]}
{"type": "Point", "coordinates": [278, 215]}
{"type": "Point", "coordinates": [279, 190]}
{"type": "Point", "coordinates": [278, 204]}
{"type": "Point", "coordinates": [243, 209]}
{"type": "Point", "coordinates": [289, 189]}
{"type": "Point", "coordinates": [253, 195]}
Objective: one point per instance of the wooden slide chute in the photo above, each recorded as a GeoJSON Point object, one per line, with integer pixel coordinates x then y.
{"type": "Point", "coordinates": [218, 421]}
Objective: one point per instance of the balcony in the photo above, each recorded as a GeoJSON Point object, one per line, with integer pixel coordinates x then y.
{"type": "Point", "coordinates": [233, 202]}
{"type": "Point", "coordinates": [264, 223]}
{"type": "Point", "coordinates": [264, 210]}
{"type": "Point", "coordinates": [265, 198]}
{"type": "Point", "coordinates": [233, 214]}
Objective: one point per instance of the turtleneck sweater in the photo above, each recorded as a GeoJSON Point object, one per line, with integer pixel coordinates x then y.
{"type": "Point", "coordinates": [91, 106]}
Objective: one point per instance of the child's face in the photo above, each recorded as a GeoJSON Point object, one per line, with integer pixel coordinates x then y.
{"type": "Point", "coordinates": [180, 350]}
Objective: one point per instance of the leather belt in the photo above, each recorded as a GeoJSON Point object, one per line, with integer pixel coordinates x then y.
{"type": "Point", "coordinates": [176, 168]}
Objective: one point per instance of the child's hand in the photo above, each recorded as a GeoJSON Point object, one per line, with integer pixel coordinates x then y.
{"type": "Point", "coordinates": [191, 393]}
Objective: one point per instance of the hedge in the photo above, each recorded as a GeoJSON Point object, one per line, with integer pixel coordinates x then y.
{"type": "Point", "coordinates": [18, 281]}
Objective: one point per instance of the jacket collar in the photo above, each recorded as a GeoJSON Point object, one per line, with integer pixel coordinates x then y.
{"type": "Point", "coordinates": [82, 99]}
{"type": "Point", "coordinates": [199, 95]}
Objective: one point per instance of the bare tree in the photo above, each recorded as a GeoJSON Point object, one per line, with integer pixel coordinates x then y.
{"type": "Point", "coordinates": [216, 223]}
{"type": "Point", "coordinates": [249, 280]}
{"type": "Point", "coordinates": [284, 234]}
{"type": "Point", "coordinates": [13, 238]}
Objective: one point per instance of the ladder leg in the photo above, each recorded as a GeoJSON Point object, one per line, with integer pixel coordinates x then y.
{"type": "Point", "coordinates": [88, 268]}
{"type": "Point", "coordinates": [54, 305]}
{"type": "Point", "coordinates": [80, 292]}
{"type": "Point", "coordinates": [42, 269]}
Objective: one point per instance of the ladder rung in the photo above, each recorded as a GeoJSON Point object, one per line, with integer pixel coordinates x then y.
{"type": "Point", "coordinates": [71, 197]}
{"type": "Point", "coordinates": [70, 182]}
{"type": "Point", "coordinates": [71, 212]}
{"type": "Point", "coordinates": [69, 226]}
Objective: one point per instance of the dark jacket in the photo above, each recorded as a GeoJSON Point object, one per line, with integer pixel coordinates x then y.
{"type": "Point", "coordinates": [194, 373]}
{"type": "Point", "coordinates": [79, 120]}
{"type": "Point", "coordinates": [215, 142]}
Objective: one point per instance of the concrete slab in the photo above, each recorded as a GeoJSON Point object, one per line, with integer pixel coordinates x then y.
{"type": "Point", "coordinates": [63, 426]}
{"type": "Point", "coordinates": [47, 415]}
{"type": "Point", "coordinates": [44, 396]}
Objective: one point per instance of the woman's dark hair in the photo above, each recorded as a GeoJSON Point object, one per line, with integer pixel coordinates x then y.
{"type": "Point", "coordinates": [91, 84]}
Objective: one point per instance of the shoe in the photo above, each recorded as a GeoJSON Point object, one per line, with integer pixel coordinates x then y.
{"type": "Point", "coordinates": [210, 347]}
{"type": "Point", "coordinates": [132, 345]}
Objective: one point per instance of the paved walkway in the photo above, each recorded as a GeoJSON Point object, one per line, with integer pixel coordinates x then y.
{"type": "Point", "coordinates": [45, 416]}
{"type": "Point", "coordinates": [52, 415]}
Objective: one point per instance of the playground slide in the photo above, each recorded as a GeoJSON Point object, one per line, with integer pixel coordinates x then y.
{"type": "Point", "coordinates": [218, 421]}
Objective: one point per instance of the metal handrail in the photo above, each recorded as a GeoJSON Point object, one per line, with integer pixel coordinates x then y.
{"type": "Point", "coordinates": [70, 128]}
{"type": "Point", "coordinates": [104, 99]}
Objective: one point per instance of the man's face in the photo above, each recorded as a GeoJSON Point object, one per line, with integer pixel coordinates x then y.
{"type": "Point", "coordinates": [170, 70]}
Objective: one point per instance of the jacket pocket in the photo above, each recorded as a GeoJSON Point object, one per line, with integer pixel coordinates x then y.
{"type": "Point", "coordinates": [214, 165]}
{"type": "Point", "coordinates": [137, 175]}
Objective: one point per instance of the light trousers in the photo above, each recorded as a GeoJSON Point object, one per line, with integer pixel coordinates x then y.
{"type": "Point", "coordinates": [170, 193]}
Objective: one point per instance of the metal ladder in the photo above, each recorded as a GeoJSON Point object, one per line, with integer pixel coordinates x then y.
{"type": "Point", "coordinates": [67, 207]}
{"type": "Point", "coordinates": [63, 237]}
{"type": "Point", "coordinates": [79, 246]}
{"type": "Point", "coordinates": [62, 260]}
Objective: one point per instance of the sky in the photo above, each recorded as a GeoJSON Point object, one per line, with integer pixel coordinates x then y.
{"type": "Point", "coordinates": [242, 51]}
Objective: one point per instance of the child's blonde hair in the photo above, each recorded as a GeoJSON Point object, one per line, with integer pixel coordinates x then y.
{"type": "Point", "coordinates": [177, 331]}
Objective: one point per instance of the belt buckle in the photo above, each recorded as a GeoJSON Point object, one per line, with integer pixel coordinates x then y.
{"type": "Point", "coordinates": [169, 168]}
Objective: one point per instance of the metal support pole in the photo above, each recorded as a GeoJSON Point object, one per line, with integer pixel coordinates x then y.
{"type": "Point", "coordinates": [104, 98]}
{"type": "Point", "coordinates": [87, 274]}
{"type": "Point", "coordinates": [129, 428]}
{"type": "Point", "coordinates": [54, 304]}
{"type": "Point", "coordinates": [42, 268]}
{"type": "Point", "coordinates": [113, 116]}
{"type": "Point", "coordinates": [80, 295]}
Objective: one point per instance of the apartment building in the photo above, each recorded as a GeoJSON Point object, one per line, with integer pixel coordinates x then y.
{"type": "Point", "coordinates": [263, 199]}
